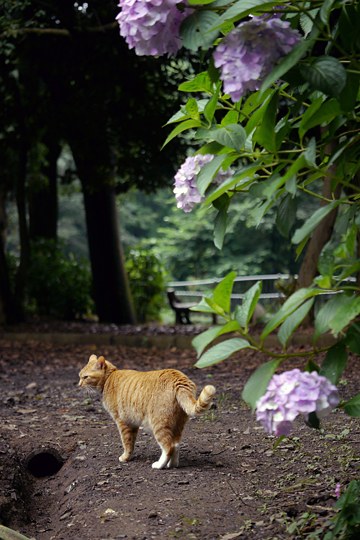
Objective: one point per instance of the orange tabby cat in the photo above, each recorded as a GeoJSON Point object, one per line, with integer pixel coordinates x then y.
{"type": "Point", "coordinates": [161, 400]}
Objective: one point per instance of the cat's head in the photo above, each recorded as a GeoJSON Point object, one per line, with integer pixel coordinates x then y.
{"type": "Point", "coordinates": [95, 373]}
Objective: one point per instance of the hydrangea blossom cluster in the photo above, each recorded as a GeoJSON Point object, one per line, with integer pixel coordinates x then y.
{"type": "Point", "coordinates": [250, 51]}
{"type": "Point", "coordinates": [292, 393]}
{"type": "Point", "coordinates": [151, 27]}
{"type": "Point", "coordinates": [186, 190]}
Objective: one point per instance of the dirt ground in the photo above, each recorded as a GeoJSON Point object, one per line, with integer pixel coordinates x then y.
{"type": "Point", "coordinates": [231, 483]}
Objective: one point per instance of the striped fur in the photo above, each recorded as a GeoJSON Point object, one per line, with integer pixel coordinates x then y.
{"type": "Point", "coordinates": [161, 400]}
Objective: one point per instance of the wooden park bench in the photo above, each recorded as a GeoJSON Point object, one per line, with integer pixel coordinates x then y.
{"type": "Point", "coordinates": [182, 309]}
{"type": "Point", "coordinates": [197, 288]}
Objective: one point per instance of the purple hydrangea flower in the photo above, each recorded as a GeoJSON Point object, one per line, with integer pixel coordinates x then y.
{"type": "Point", "coordinates": [250, 51]}
{"type": "Point", "coordinates": [151, 27]}
{"type": "Point", "coordinates": [186, 190]}
{"type": "Point", "coordinates": [292, 393]}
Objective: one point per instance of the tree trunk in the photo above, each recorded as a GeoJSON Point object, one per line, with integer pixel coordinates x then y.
{"type": "Point", "coordinates": [111, 289]}
{"type": "Point", "coordinates": [43, 201]}
{"type": "Point", "coordinates": [320, 237]}
{"type": "Point", "coordinates": [7, 304]}
{"type": "Point", "coordinates": [20, 193]}
{"type": "Point", "coordinates": [87, 134]}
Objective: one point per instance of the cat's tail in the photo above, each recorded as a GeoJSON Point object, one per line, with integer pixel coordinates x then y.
{"type": "Point", "coordinates": [194, 406]}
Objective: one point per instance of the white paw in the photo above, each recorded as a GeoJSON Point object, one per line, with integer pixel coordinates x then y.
{"type": "Point", "coordinates": [123, 459]}
{"type": "Point", "coordinates": [157, 465]}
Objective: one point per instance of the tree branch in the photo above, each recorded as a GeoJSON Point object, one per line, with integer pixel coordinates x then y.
{"type": "Point", "coordinates": [61, 31]}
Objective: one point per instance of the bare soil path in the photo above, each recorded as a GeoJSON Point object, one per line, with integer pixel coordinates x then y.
{"type": "Point", "coordinates": [231, 483]}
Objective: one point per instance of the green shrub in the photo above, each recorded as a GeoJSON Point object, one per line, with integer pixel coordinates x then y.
{"type": "Point", "coordinates": [58, 285]}
{"type": "Point", "coordinates": [147, 283]}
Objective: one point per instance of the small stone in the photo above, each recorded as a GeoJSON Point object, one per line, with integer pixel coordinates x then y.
{"type": "Point", "coordinates": [152, 515]}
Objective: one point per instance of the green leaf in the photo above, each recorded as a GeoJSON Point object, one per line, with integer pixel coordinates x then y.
{"type": "Point", "coordinates": [265, 134]}
{"type": "Point", "coordinates": [192, 108]}
{"type": "Point", "coordinates": [259, 211]}
{"type": "Point", "coordinates": [352, 407]}
{"type": "Point", "coordinates": [326, 263]}
{"type": "Point", "coordinates": [220, 224]}
{"type": "Point", "coordinates": [300, 247]}
{"type": "Point", "coordinates": [294, 168]}
{"type": "Point", "coordinates": [348, 96]}
{"type": "Point", "coordinates": [188, 124]}
{"type": "Point", "coordinates": [325, 73]}
{"type": "Point", "coordinates": [242, 8]}
{"type": "Point", "coordinates": [267, 188]}
{"type": "Point", "coordinates": [200, 2]}
{"type": "Point", "coordinates": [200, 83]}
{"type": "Point", "coordinates": [203, 306]}
{"type": "Point", "coordinates": [310, 153]}
{"type": "Point", "coordinates": [231, 117]}
{"type": "Point", "coordinates": [201, 341]}
{"type": "Point", "coordinates": [243, 177]}
{"type": "Point", "coordinates": [221, 352]}
{"type": "Point", "coordinates": [215, 307]}
{"type": "Point", "coordinates": [231, 136]}
{"type": "Point", "coordinates": [307, 22]}
{"type": "Point", "coordinates": [181, 115]}
{"type": "Point", "coordinates": [319, 113]}
{"type": "Point", "coordinates": [325, 10]}
{"type": "Point", "coordinates": [352, 338]}
{"type": "Point", "coordinates": [291, 186]}
{"type": "Point", "coordinates": [211, 106]}
{"type": "Point", "coordinates": [244, 312]}
{"type": "Point", "coordinates": [289, 61]}
{"type": "Point", "coordinates": [324, 282]}
{"type": "Point", "coordinates": [197, 30]}
{"type": "Point", "coordinates": [223, 290]}
{"type": "Point", "coordinates": [291, 304]}
{"type": "Point", "coordinates": [349, 271]}
{"type": "Point", "coordinates": [334, 362]}
{"type": "Point", "coordinates": [286, 215]}
{"type": "Point", "coordinates": [208, 171]}
{"type": "Point", "coordinates": [254, 108]}
{"type": "Point", "coordinates": [326, 313]}
{"type": "Point", "coordinates": [347, 313]}
{"type": "Point", "coordinates": [308, 114]}
{"type": "Point", "coordinates": [292, 322]}
{"type": "Point", "coordinates": [311, 224]}
{"type": "Point", "coordinates": [258, 382]}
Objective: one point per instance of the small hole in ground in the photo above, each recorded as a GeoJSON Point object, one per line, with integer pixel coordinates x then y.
{"type": "Point", "coordinates": [43, 463]}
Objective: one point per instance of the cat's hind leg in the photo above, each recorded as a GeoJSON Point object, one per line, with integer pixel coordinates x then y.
{"type": "Point", "coordinates": [170, 450]}
{"type": "Point", "coordinates": [165, 440]}
{"type": "Point", "coordinates": [162, 461]}
{"type": "Point", "coordinates": [128, 437]}
{"type": "Point", "coordinates": [174, 460]}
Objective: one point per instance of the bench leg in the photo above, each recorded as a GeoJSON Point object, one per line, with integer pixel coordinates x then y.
{"type": "Point", "coordinates": [187, 316]}
{"type": "Point", "coordinates": [182, 316]}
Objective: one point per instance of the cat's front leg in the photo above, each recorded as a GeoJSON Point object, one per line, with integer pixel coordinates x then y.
{"type": "Point", "coordinates": [128, 437]}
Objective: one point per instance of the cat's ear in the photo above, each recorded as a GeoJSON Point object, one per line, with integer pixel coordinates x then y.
{"type": "Point", "coordinates": [100, 364]}
{"type": "Point", "coordinates": [93, 358]}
